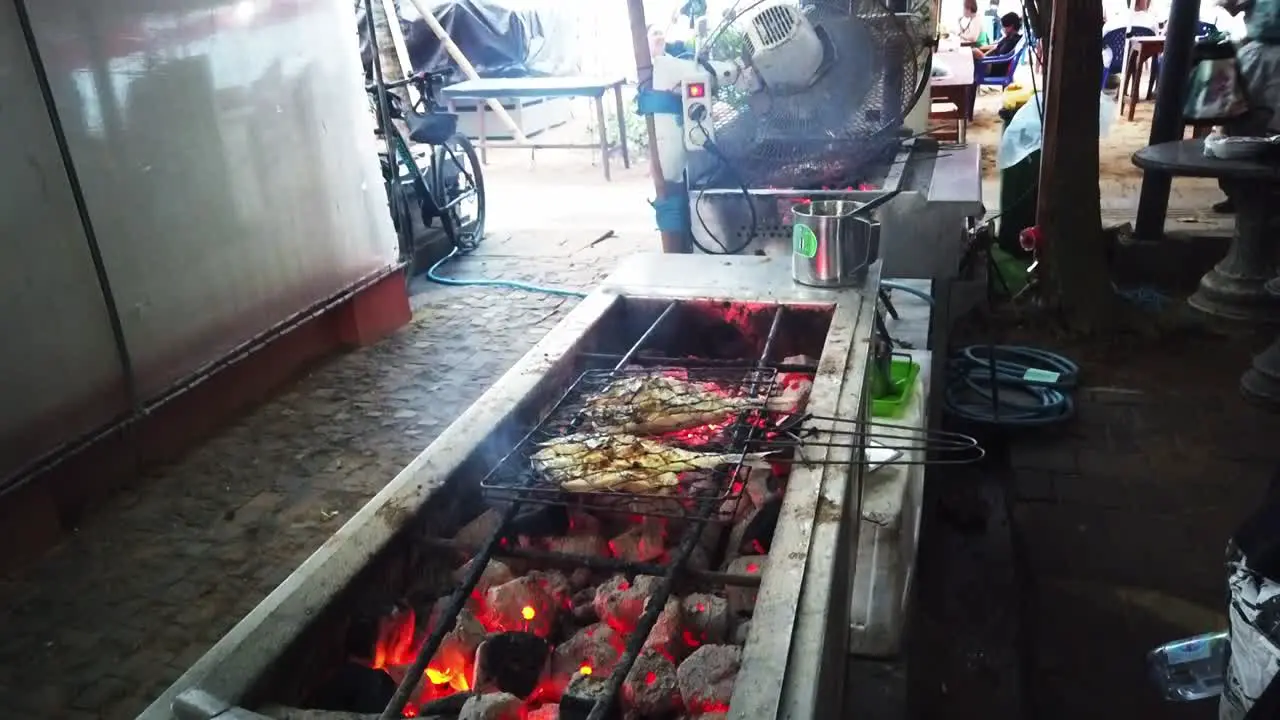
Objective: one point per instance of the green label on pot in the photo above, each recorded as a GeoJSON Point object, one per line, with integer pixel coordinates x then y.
{"type": "Point", "coordinates": [804, 241]}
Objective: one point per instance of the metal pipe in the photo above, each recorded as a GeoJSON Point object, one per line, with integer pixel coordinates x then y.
{"type": "Point", "coordinates": [66, 452]}
{"type": "Point", "coordinates": [644, 337]}
{"type": "Point", "coordinates": [82, 208]}
{"type": "Point", "coordinates": [448, 617]}
{"type": "Point", "coordinates": [594, 563]}
{"type": "Point", "coordinates": [1167, 121]}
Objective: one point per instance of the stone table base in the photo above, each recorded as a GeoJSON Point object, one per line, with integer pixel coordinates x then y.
{"type": "Point", "coordinates": [1261, 382]}
{"type": "Point", "coordinates": [1235, 288]}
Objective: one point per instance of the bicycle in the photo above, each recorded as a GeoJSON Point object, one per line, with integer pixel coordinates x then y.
{"type": "Point", "coordinates": [451, 187]}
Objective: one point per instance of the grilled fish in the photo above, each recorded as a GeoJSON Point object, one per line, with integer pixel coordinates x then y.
{"type": "Point", "coordinates": [622, 462]}
{"type": "Point", "coordinates": [653, 404]}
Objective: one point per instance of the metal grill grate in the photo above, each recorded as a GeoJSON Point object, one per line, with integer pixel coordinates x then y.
{"type": "Point", "coordinates": [668, 442]}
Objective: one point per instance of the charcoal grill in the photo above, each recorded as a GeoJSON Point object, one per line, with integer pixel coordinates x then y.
{"type": "Point", "coordinates": [649, 313]}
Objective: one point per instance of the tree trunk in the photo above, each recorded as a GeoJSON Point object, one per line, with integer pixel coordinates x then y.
{"type": "Point", "coordinates": [1069, 213]}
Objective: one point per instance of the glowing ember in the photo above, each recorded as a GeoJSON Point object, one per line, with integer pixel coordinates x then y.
{"type": "Point", "coordinates": [753, 568]}
{"type": "Point", "coordinates": [528, 613]}
{"type": "Point", "coordinates": [447, 676]}
{"type": "Point", "coordinates": [650, 678]}
{"type": "Point", "coordinates": [585, 669]}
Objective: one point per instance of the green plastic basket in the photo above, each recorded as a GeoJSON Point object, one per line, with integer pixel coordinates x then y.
{"type": "Point", "coordinates": [903, 373]}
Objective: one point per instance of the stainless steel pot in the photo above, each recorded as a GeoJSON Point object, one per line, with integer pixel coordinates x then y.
{"type": "Point", "coordinates": [832, 243]}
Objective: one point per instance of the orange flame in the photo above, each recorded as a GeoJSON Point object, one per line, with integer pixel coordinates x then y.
{"type": "Point", "coordinates": [585, 669]}
{"type": "Point", "coordinates": [528, 613]}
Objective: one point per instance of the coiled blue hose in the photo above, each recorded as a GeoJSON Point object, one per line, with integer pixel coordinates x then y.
{"type": "Point", "coordinates": [433, 276]}
{"type": "Point", "coordinates": [1030, 387]}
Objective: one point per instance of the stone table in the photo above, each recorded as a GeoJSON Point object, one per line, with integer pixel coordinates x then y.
{"type": "Point", "coordinates": [1234, 288]}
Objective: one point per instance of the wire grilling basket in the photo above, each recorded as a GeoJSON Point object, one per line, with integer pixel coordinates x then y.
{"type": "Point", "coordinates": [679, 441]}
{"type": "Point", "coordinates": [669, 441]}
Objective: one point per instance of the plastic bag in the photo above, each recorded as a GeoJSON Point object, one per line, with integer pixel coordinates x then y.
{"type": "Point", "coordinates": [1023, 136]}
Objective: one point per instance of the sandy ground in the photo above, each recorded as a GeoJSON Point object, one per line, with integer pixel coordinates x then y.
{"type": "Point", "coordinates": [1123, 138]}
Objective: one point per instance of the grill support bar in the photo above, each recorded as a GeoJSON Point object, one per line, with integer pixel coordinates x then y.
{"type": "Point", "coordinates": [413, 676]}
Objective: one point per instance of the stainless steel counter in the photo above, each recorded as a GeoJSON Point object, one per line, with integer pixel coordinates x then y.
{"type": "Point", "coordinates": [922, 229]}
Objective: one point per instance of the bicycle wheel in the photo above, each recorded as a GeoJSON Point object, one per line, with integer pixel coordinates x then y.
{"type": "Point", "coordinates": [458, 186]}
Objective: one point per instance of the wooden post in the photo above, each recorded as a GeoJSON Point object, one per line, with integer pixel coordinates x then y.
{"type": "Point", "coordinates": [1069, 211]}
{"type": "Point", "coordinates": [671, 242]}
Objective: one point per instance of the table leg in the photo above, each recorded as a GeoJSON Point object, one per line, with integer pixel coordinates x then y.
{"type": "Point", "coordinates": [622, 126]}
{"type": "Point", "coordinates": [604, 136]}
{"type": "Point", "coordinates": [1261, 382]}
{"type": "Point", "coordinates": [1235, 287]}
{"type": "Point", "coordinates": [1135, 82]}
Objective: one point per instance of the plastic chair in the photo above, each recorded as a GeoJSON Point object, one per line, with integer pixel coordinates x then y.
{"type": "Point", "coordinates": [1116, 41]}
{"type": "Point", "coordinates": [1014, 59]}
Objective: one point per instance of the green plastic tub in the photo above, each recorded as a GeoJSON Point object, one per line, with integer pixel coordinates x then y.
{"type": "Point", "coordinates": [903, 373]}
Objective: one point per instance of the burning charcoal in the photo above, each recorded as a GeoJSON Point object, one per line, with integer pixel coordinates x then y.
{"type": "Point", "coordinates": [494, 706]}
{"type": "Point", "coordinates": [474, 533]}
{"type": "Point", "coordinates": [698, 559]}
{"type": "Point", "coordinates": [754, 533]}
{"type": "Point", "coordinates": [668, 633]}
{"type": "Point", "coordinates": [641, 543]}
{"type": "Point", "coordinates": [453, 665]}
{"type": "Point", "coordinates": [756, 489]}
{"type": "Point", "coordinates": [540, 521]}
{"type": "Point", "coordinates": [584, 545]}
{"type": "Point", "coordinates": [495, 572]}
{"type": "Point", "coordinates": [511, 662]}
{"type": "Point", "coordinates": [741, 632]}
{"type": "Point", "coordinates": [793, 394]}
{"type": "Point", "coordinates": [743, 599]}
{"type": "Point", "coordinates": [581, 523]}
{"type": "Point", "coordinates": [593, 650]}
{"type": "Point", "coordinates": [651, 687]}
{"type": "Point", "coordinates": [526, 604]}
{"type": "Point", "coordinates": [583, 609]}
{"type": "Point", "coordinates": [550, 711]}
{"type": "Point", "coordinates": [706, 617]}
{"type": "Point", "coordinates": [706, 678]}
{"type": "Point", "coordinates": [620, 602]}
{"type": "Point", "coordinates": [582, 579]}
{"type": "Point", "coordinates": [582, 694]}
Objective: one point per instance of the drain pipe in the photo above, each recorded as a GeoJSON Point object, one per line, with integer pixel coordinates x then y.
{"type": "Point", "coordinates": [1167, 124]}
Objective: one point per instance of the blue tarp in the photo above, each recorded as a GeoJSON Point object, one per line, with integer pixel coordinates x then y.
{"type": "Point", "coordinates": [501, 38]}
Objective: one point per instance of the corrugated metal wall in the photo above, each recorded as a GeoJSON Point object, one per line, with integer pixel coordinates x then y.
{"type": "Point", "coordinates": [225, 157]}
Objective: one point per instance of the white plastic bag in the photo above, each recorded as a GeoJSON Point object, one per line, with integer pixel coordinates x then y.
{"type": "Point", "coordinates": [1023, 136]}
{"type": "Point", "coordinates": [1254, 658]}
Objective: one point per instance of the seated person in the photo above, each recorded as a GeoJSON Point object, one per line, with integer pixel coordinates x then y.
{"type": "Point", "coordinates": [1011, 35]}
{"type": "Point", "coordinates": [970, 28]}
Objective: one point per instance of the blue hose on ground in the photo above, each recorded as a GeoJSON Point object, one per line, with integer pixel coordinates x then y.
{"type": "Point", "coordinates": [511, 284]}
{"type": "Point", "coordinates": [922, 294]}
{"type": "Point", "coordinates": [1031, 387]}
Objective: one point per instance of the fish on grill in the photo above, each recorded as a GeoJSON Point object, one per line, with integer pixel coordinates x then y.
{"type": "Point", "coordinates": [653, 404]}
{"type": "Point", "coordinates": [623, 463]}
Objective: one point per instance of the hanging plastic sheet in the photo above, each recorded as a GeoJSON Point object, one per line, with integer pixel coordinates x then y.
{"type": "Point", "coordinates": [501, 38]}
{"type": "Point", "coordinates": [1024, 134]}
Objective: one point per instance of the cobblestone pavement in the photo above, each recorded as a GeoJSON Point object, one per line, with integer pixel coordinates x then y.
{"type": "Point", "coordinates": [111, 617]}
